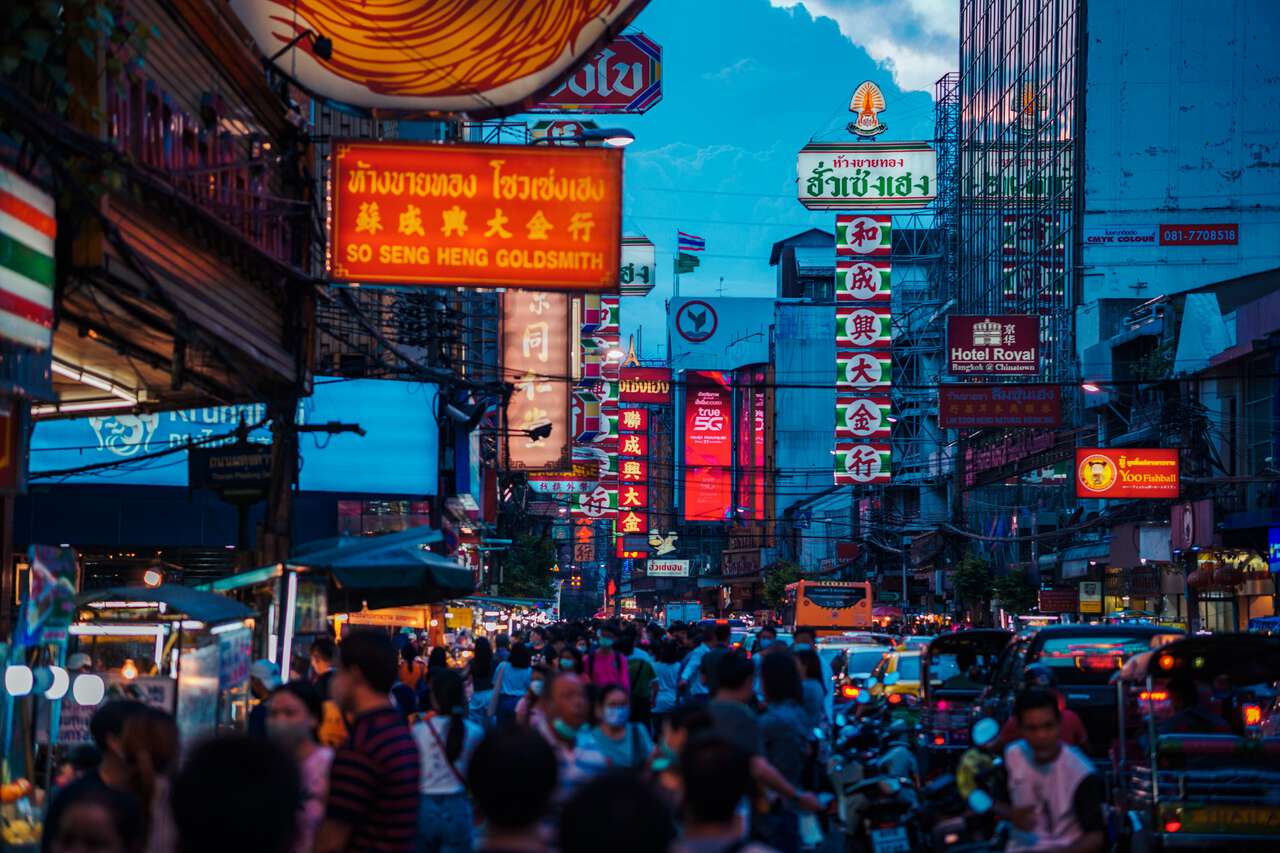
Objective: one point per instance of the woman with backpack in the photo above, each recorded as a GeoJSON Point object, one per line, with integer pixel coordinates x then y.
{"type": "Point", "coordinates": [446, 739]}
{"type": "Point", "coordinates": [622, 742]}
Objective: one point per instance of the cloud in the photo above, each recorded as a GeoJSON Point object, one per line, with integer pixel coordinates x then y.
{"type": "Point", "coordinates": [742, 65]}
{"type": "Point", "coordinates": [915, 40]}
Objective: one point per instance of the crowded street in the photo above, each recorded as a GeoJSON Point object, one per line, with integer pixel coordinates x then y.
{"type": "Point", "coordinates": [639, 426]}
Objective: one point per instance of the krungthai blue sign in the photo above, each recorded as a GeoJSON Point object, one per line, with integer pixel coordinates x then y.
{"type": "Point", "coordinates": [397, 455]}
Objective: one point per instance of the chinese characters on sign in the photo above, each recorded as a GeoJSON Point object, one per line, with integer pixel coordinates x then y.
{"type": "Point", "coordinates": [476, 215]}
{"type": "Point", "coordinates": [535, 345]}
{"type": "Point", "coordinates": [1131, 472]}
{"type": "Point", "coordinates": [998, 345]}
{"type": "Point", "coordinates": [999, 406]}
{"type": "Point", "coordinates": [863, 337]}
{"type": "Point", "coordinates": [867, 175]}
{"type": "Point", "coordinates": [633, 494]}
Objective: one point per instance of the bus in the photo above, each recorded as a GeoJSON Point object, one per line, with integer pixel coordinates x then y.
{"type": "Point", "coordinates": [828, 607]}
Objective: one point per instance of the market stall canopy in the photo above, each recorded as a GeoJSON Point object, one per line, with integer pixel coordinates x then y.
{"type": "Point", "coordinates": [179, 601]}
{"type": "Point", "coordinates": [392, 570]}
{"type": "Point", "coordinates": [446, 56]}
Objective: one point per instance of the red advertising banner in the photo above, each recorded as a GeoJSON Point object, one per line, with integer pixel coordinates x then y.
{"type": "Point", "coordinates": [645, 385]}
{"type": "Point", "coordinates": [999, 406]}
{"type": "Point", "coordinates": [1129, 472]}
{"type": "Point", "coordinates": [535, 354]}
{"type": "Point", "coordinates": [624, 77]}
{"type": "Point", "coordinates": [633, 496]}
{"type": "Point", "coordinates": [476, 215]}
{"type": "Point", "coordinates": [633, 420]}
{"type": "Point", "coordinates": [633, 444]}
{"type": "Point", "coordinates": [631, 521]}
{"type": "Point", "coordinates": [708, 445]}
{"type": "Point", "coordinates": [1216, 234]}
{"type": "Point", "coordinates": [1000, 345]}
{"type": "Point", "coordinates": [633, 470]}
{"type": "Point", "coordinates": [1059, 600]}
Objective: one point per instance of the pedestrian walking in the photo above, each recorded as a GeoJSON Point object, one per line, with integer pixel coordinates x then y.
{"type": "Point", "coordinates": [788, 745]}
{"type": "Point", "coordinates": [606, 665]}
{"type": "Point", "coordinates": [716, 778]}
{"type": "Point", "coordinates": [294, 714]}
{"type": "Point", "coordinates": [373, 783]}
{"type": "Point", "coordinates": [412, 669]}
{"type": "Point", "coordinates": [97, 818]}
{"type": "Point", "coordinates": [446, 741]}
{"type": "Point", "coordinates": [617, 812]}
{"type": "Point", "coordinates": [480, 672]}
{"type": "Point", "coordinates": [529, 708]}
{"type": "Point", "coordinates": [667, 675]}
{"type": "Point", "coordinates": [564, 725]}
{"type": "Point", "coordinates": [510, 683]}
{"type": "Point", "coordinates": [511, 805]}
{"type": "Point", "coordinates": [642, 677]}
{"type": "Point", "coordinates": [622, 742]}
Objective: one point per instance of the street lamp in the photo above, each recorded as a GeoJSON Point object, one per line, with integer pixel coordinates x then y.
{"type": "Point", "coordinates": [614, 137]}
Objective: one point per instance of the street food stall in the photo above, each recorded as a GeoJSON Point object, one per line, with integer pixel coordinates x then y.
{"type": "Point", "coordinates": [348, 575]}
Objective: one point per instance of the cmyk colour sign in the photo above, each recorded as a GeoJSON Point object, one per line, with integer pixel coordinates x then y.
{"type": "Point", "coordinates": [997, 345]}
{"type": "Point", "coordinates": [1130, 472]}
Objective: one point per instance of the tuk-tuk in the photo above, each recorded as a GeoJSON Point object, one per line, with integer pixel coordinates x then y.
{"type": "Point", "coordinates": [954, 670]}
{"type": "Point", "coordinates": [1198, 749]}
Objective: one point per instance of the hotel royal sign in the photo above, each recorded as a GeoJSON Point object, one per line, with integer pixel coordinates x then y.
{"type": "Point", "coordinates": [476, 215]}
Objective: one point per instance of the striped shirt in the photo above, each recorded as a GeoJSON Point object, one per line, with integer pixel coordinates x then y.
{"type": "Point", "coordinates": [373, 784]}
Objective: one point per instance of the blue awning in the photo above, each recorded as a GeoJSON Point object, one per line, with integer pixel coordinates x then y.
{"type": "Point", "coordinates": [179, 600]}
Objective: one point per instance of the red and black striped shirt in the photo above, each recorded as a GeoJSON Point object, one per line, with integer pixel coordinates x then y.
{"type": "Point", "coordinates": [373, 784]}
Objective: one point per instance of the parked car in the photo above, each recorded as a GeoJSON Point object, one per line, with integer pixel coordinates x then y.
{"type": "Point", "coordinates": [1083, 659]}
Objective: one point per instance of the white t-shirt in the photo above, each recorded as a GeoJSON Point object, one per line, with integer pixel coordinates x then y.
{"type": "Point", "coordinates": [436, 777]}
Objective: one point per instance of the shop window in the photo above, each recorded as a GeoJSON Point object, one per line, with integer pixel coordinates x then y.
{"type": "Point", "coordinates": [1218, 614]}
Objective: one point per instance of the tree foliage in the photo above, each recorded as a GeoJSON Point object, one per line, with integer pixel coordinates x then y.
{"type": "Point", "coordinates": [1016, 592]}
{"type": "Point", "coordinates": [971, 580]}
{"type": "Point", "coordinates": [776, 580]}
{"type": "Point", "coordinates": [526, 566]}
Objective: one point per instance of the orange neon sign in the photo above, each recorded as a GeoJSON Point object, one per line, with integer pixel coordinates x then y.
{"type": "Point", "coordinates": [476, 215]}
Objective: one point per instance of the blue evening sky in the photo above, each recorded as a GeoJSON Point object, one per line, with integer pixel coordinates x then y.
{"type": "Point", "coordinates": [746, 83]}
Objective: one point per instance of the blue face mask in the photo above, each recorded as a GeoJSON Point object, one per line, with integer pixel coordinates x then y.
{"type": "Point", "coordinates": [565, 730]}
{"type": "Point", "coordinates": [606, 642]}
{"type": "Point", "coordinates": [616, 715]}
{"type": "Point", "coordinates": [801, 647]}
{"type": "Point", "coordinates": [536, 687]}
{"type": "Point", "coordinates": [764, 643]}
{"type": "Point", "coordinates": [568, 664]}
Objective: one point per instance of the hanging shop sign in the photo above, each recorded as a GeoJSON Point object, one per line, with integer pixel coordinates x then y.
{"type": "Point", "coordinates": [27, 230]}
{"type": "Point", "coordinates": [861, 463]}
{"type": "Point", "coordinates": [1130, 472]}
{"type": "Point", "coordinates": [1215, 234]}
{"type": "Point", "coordinates": [863, 237]}
{"type": "Point", "coordinates": [862, 417]}
{"type": "Point", "coordinates": [624, 77]}
{"type": "Point", "coordinates": [1119, 235]}
{"type": "Point", "coordinates": [562, 129]}
{"type": "Point", "coordinates": [862, 371]}
{"type": "Point", "coordinates": [999, 406]}
{"type": "Point", "coordinates": [863, 325]}
{"type": "Point", "coordinates": [633, 420]}
{"type": "Point", "coordinates": [535, 355]}
{"type": "Point", "coordinates": [708, 445]}
{"type": "Point", "coordinates": [633, 470]}
{"type": "Point", "coordinates": [583, 478]}
{"type": "Point", "coordinates": [645, 385]}
{"type": "Point", "coordinates": [862, 281]}
{"type": "Point", "coordinates": [1019, 171]}
{"type": "Point", "coordinates": [544, 217]}
{"type": "Point", "coordinates": [51, 601]}
{"type": "Point", "coordinates": [997, 345]}
{"type": "Point", "coordinates": [1090, 597]}
{"type": "Point", "coordinates": [447, 56]}
{"type": "Point", "coordinates": [668, 569]}
{"type": "Point", "coordinates": [1058, 600]}
{"type": "Point", "coordinates": [866, 175]}
{"type": "Point", "coordinates": [639, 272]}
{"type": "Point", "coordinates": [240, 471]}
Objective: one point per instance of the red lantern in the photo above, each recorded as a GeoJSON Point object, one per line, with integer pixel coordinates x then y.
{"type": "Point", "coordinates": [1198, 579]}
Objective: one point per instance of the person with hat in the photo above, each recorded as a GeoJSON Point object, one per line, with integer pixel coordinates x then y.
{"type": "Point", "coordinates": [264, 676]}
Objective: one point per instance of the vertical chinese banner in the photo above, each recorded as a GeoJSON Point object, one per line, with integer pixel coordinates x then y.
{"type": "Point", "coordinates": [536, 360]}
{"type": "Point", "coordinates": [863, 340]}
{"type": "Point", "coordinates": [708, 445]}
{"type": "Point", "coordinates": [633, 491]}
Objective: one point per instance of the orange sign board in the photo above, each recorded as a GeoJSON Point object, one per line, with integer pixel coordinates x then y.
{"type": "Point", "coordinates": [476, 215]}
{"type": "Point", "coordinates": [535, 359]}
{"type": "Point", "coordinates": [1128, 472]}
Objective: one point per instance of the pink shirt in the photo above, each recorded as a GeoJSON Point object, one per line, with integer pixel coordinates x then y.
{"type": "Point", "coordinates": [315, 790]}
{"type": "Point", "coordinates": [607, 668]}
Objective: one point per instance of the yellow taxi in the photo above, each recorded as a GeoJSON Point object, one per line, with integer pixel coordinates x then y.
{"type": "Point", "coordinates": [897, 679]}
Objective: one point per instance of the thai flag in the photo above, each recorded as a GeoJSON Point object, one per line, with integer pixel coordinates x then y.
{"type": "Point", "coordinates": [690, 243]}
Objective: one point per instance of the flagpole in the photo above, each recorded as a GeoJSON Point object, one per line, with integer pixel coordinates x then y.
{"type": "Point", "coordinates": [675, 269]}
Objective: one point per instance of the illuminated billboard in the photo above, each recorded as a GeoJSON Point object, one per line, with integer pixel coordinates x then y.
{"type": "Point", "coordinates": [1129, 472]}
{"type": "Point", "coordinates": [708, 445]}
{"type": "Point", "coordinates": [536, 359]}
{"type": "Point", "coordinates": [397, 455]}
{"type": "Point", "coordinates": [548, 218]}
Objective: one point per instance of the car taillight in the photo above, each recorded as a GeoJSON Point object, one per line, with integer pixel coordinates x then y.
{"type": "Point", "coordinates": [848, 691]}
{"type": "Point", "coordinates": [1153, 695]}
{"type": "Point", "coordinates": [939, 740]}
{"type": "Point", "coordinates": [895, 699]}
{"type": "Point", "coordinates": [1252, 714]}
{"type": "Point", "coordinates": [1172, 825]}
{"type": "Point", "coordinates": [942, 705]}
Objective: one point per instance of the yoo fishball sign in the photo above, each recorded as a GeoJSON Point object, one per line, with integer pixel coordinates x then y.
{"type": "Point", "coordinates": [993, 345]}
{"type": "Point", "coordinates": [1131, 472]}
{"type": "Point", "coordinates": [476, 215]}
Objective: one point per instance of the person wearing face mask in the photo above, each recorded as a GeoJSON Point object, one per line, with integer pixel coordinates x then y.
{"type": "Point", "coordinates": [564, 728]}
{"type": "Point", "coordinates": [569, 660]}
{"type": "Point", "coordinates": [606, 665]}
{"type": "Point", "coordinates": [294, 713]}
{"type": "Point", "coordinates": [529, 709]}
{"type": "Point", "coordinates": [667, 670]}
{"type": "Point", "coordinates": [805, 641]}
{"type": "Point", "coordinates": [510, 683]}
{"type": "Point", "coordinates": [622, 742]}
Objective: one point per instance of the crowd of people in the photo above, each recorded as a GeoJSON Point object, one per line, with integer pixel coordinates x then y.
{"type": "Point", "coordinates": [573, 737]}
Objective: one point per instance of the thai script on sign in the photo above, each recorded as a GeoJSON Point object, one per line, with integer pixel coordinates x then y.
{"type": "Point", "coordinates": [853, 175]}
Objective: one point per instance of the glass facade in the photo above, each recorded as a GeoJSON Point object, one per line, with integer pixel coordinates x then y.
{"type": "Point", "coordinates": [1019, 137]}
